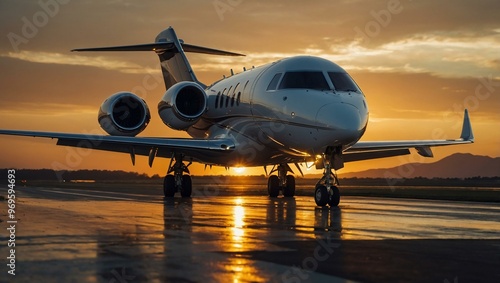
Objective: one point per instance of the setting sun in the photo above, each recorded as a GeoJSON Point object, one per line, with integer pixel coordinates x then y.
{"type": "Point", "coordinates": [239, 170]}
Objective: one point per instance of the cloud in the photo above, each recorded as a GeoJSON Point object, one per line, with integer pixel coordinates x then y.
{"type": "Point", "coordinates": [78, 60]}
{"type": "Point", "coordinates": [46, 109]}
{"type": "Point", "coordinates": [443, 55]}
{"type": "Point", "coordinates": [426, 36]}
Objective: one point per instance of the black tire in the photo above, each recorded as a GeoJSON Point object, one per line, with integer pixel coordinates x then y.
{"type": "Point", "coordinates": [335, 197]}
{"type": "Point", "coordinates": [187, 186]}
{"type": "Point", "coordinates": [289, 189]}
{"type": "Point", "coordinates": [273, 186]}
{"type": "Point", "coordinates": [169, 186]}
{"type": "Point", "coordinates": [321, 195]}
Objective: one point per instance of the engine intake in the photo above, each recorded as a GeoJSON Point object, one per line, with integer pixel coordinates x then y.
{"type": "Point", "coordinates": [124, 114]}
{"type": "Point", "coordinates": [182, 105]}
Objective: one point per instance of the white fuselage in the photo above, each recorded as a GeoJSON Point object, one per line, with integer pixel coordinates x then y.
{"type": "Point", "coordinates": [286, 111]}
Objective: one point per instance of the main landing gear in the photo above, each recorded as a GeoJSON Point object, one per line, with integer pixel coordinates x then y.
{"type": "Point", "coordinates": [327, 191]}
{"type": "Point", "coordinates": [178, 181]}
{"type": "Point", "coordinates": [282, 182]}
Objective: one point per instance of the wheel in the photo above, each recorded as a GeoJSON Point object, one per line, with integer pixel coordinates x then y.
{"type": "Point", "coordinates": [273, 186]}
{"type": "Point", "coordinates": [289, 189]}
{"type": "Point", "coordinates": [187, 186]}
{"type": "Point", "coordinates": [169, 186]}
{"type": "Point", "coordinates": [321, 195]}
{"type": "Point", "coordinates": [335, 197]}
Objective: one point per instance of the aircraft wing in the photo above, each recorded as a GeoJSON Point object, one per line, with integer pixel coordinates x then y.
{"type": "Point", "coordinates": [363, 150]}
{"type": "Point", "coordinates": [147, 146]}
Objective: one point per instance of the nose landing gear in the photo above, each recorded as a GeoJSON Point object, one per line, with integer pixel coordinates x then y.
{"type": "Point", "coordinates": [327, 191]}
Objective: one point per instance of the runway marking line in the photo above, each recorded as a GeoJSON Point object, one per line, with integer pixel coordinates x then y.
{"type": "Point", "coordinates": [87, 195]}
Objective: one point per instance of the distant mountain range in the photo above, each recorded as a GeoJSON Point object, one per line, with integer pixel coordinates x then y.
{"type": "Point", "coordinates": [459, 165]}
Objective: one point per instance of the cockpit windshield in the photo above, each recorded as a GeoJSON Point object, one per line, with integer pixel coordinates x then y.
{"type": "Point", "coordinates": [306, 80]}
{"type": "Point", "coordinates": [343, 82]}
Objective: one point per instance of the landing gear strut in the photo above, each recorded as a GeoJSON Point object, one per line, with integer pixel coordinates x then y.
{"type": "Point", "coordinates": [282, 182]}
{"type": "Point", "coordinates": [327, 191]}
{"type": "Point", "coordinates": [178, 181]}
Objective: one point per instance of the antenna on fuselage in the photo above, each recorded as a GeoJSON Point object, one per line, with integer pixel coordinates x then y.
{"type": "Point", "coordinates": [232, 72]}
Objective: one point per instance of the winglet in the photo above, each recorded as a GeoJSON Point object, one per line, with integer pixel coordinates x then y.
{"type": "Point", "coordinates": [467, 134]}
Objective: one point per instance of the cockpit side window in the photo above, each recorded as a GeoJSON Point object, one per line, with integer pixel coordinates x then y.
{"type": "Point", "coordinates": [343, 82]}
{"type": "Point", "coordinates": [274, 82]}
{"type": "Point", "coordinates": [307, 80]}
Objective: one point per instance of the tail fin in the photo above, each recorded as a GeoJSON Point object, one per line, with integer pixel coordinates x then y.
{"type": "Point", "coordinates": [174, 63]}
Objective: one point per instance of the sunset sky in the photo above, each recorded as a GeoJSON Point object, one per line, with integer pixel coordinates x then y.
{"type": "Point", "coordinates": [419, 63]}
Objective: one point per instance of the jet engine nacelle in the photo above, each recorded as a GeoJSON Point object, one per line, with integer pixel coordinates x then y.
{"type": "Point", "coordinates": [124, 114]}
{"type": "Point", "coordinates": [182, 105]}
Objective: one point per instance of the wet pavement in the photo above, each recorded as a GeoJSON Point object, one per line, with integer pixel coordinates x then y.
{"type": "Point", "coordinates": [131, 234]}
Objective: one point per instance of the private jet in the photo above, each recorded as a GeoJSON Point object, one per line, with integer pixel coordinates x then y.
{"type": "Point", "coordinates": [298, 110]}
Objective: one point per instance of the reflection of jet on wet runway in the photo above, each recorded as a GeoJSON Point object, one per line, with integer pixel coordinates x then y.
{"type": "Point", "coordinates": [296, 110]}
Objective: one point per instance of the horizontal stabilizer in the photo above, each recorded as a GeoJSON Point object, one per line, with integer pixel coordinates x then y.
{"type": "Point", "coordinates": [171, 52]}
{"type": "Point", "coordinates": [205, 50]}
{"type": "Point", "coordinates": [160, 47]}
{"type": "Point", "coordinates": [137, 47]}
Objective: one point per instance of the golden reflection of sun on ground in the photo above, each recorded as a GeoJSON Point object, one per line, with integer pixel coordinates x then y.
{"type": "Point", "coordinates": [241, 269]}
{"type": "Point", "coordinates": [238, 223]}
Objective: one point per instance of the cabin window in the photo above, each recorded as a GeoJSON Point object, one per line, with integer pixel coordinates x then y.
{"type": "Point", "coordinates": [228, 96]}
{"type": "Point", "coordinates": [274, 82]}
{"type": "Point", "coordinates": [238, 99]}
{"type": "Point", "coordinates": [233, 97]}
{"type": "Point", "coordinates": [221, 102]}
{"type": "Point", "coordinates": [343, 82]}
{"type": "Point", "coordinates": [305, 80]}
{"type": "Point", "coordinates": [217, 100]}
{"type": "Point", "coordinates": [245, 91]}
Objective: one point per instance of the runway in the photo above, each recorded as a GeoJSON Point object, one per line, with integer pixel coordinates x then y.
{"type": "Point", "coordinates": [128, 233]}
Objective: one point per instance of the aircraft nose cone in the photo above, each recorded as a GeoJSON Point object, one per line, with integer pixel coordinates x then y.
{"type": "Point", "coordinates": [342, 119]}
